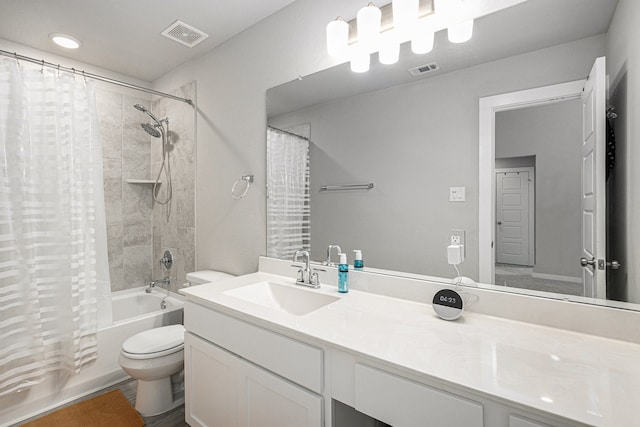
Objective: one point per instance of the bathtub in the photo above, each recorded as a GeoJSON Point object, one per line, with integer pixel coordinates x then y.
{"type": "Point", "coordinates": [133, 311]}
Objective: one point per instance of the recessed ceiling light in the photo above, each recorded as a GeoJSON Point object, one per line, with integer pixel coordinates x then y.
{"type": "Point", "coordinates": [65, 40]}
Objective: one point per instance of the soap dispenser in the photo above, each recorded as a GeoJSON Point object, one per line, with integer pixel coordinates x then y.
{"type": "Point", "coordinates": [343, 274]}
{"type": "Point", "coordinates": [358, 263]}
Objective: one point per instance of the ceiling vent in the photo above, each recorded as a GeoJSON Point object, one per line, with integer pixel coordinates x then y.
{"type": "Point", "coordinates": [184, 34]}
{"type": "Point", "coordinates": [424, 69]}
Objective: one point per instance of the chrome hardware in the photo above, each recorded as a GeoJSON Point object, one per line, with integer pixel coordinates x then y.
{"type": "Point", "coordinates": [585, 262]}
{"type": "Point", "coordinates": [614, 265]}
{"type": "Point", "coordinates": [154, 283]}
{"type": "Point", "coordinates": [306, 276]}
{"type": "Point", "coordinates": [367, 186]}
{"type": "Point", "coordinates": [167, 260]}
{"type": "Point", "coordinates": [328, 262]}
{"type": "Point", "coordinates": [602, 264]}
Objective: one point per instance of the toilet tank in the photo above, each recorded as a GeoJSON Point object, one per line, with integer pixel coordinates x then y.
{"type": "Point", "coordinates": [205, 276]}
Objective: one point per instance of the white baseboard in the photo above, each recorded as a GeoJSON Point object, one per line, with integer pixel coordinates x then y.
{"type": "Point", "coordinates": [556, 277]}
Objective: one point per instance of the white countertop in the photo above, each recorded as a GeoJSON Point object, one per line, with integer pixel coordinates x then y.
{"type": "Point", "coordinates": [580, 377]}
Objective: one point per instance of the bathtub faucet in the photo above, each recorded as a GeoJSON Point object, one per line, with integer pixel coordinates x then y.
{"type": "Point", "coordinates": [154, 283]}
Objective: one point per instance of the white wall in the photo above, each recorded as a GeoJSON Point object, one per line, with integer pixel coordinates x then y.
{"type": "Point", "coordinates": [623, 68]}
{"type": "Point", "coordinates": [552, 133]}
{"type": "Point", "coordinates": [414, 149]}
{"type": "Point", "coordinates": [232, 80]}
{"type": "Point", "coordinates": [231, 84]}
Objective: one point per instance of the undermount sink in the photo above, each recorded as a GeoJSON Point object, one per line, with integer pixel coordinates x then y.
{"type": "Point", "coordinates": [284, 298]}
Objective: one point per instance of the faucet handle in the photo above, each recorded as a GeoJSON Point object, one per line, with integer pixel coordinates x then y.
{"type": "Point", "coordinates": [300, 273]}
{"type": "Point", "coordinates": [315, 278]}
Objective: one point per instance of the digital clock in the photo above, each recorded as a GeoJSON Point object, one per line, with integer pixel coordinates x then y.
{"type": "Point", "coordinates": [447, 304]}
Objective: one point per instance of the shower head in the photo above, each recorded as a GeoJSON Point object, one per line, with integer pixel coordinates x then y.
{"type": "Point", "coordinates": [142, 108]}
{"type": "Point", "coordinates": [151, 130]}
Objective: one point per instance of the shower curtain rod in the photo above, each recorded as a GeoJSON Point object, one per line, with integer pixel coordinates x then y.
{"type": "Point", "coordinates": [290, 133]}
{"type": "Point", "coordinates": [58, 67]}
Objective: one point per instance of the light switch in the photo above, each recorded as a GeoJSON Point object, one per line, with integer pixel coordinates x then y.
{"type": "Point", "coordinates": [456, 194]}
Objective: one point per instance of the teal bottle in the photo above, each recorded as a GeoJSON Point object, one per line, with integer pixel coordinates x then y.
{"type": "Point", "coordinates": [358, 263]}
{"type": "Point", "coordinates": [343, 274]}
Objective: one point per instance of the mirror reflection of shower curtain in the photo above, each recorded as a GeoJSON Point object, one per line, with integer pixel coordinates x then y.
{"type": "Point", "coordinates": [53, 265]}
{"type": "Point", "coordinates": [288, 198]}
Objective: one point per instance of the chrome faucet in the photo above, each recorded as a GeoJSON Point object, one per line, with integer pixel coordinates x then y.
{"type": "Point", "coordinates": [306, 275]}
{"type": "Point", "coordinates": [328, 260]}
{"type": "Point", "coordinates": [154, 283]}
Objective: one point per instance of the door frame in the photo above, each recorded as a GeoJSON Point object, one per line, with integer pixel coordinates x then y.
{"type": "Point", "coordinates": [531, 211]}
{"type": "Point", "coordinates": [488, 107]}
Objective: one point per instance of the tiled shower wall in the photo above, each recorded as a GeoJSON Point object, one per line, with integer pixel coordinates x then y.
{"type": "Point", "coordinates": [178, 232]}
{"type": "Point", "coordinates": [136, 227]}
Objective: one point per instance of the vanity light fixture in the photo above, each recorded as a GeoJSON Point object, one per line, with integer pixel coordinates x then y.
{"type": "Point", "coordinates": [460, 32]}
{"type": "Point", "coordinates": [369, 21]}
{"type": "Point", "coordinates": [422, 39]}
{"type": "Point", "coordinates": [337, 37]}
{"type": "Point", "coordinates": [383, 29]}
{"type": "Point", "coordinates": [389, 48]}
{"type": "Point", "coordinates": [405, 16]}
{"type": "Point", "coordinates": [461, 23]}
{"type": "Point", "coordinates": [65, 40]}
{"type": "Point", "coordinates": [360, 58]}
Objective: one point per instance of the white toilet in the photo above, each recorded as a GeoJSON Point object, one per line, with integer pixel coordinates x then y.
{"type": "Point", "coordinates": [154, 355]}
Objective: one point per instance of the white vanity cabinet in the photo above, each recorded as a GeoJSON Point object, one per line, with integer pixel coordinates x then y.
{"type": "Point", "coordinates": [401, 402]}
{"type": "Point", "coordinates": [237, 374]}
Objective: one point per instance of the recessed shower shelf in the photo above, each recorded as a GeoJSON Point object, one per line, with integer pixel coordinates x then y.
{"type": "Point", "coordinates": [142, 181]}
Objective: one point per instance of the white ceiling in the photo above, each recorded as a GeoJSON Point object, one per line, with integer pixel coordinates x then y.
{"type": "Point", "coordinates": [124, 35]}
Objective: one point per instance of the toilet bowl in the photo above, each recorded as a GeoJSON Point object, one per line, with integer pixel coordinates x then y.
{"type": "Point", "coordinates": [151, 357]}
{"type": "Point", "coordinates": [154, 355]}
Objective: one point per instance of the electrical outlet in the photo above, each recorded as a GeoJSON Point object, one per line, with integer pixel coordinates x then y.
{"type": "Point", "coordinates": [458, 237]}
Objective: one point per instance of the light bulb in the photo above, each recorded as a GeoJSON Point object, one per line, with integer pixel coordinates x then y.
{"type": "Point", "coordinates": [460, 32]}
{"type": "Point", "coordinates": [369, 19]}
{"type": "Point", "coordinates": [65, 40]}
{"type": "Point", "coordinates": [337, 37]}
{"type": "Point", "coordinates": [389, 48]}
{"type": "Point", "coordinates": [405, 16]}
{"type": "Point", "coordinates": [422, 40]}
{"type": "Point", "coordinates": [360, 58]}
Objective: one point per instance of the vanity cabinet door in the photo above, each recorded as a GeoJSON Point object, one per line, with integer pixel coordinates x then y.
{"type": "Point", "coordinates": [403, 403]}
{"type": "Point", "coordinates": [515, 421]}
{"type": "Point", "coordinates": [211, 384]}
{"type": "Point", "coordinates": [266, 400]}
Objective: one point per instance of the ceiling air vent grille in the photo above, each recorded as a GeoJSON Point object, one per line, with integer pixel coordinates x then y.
{"type": "Point", "coordinates": [184, 34]}
{"type": "Point", "coordinates": [424, 69]}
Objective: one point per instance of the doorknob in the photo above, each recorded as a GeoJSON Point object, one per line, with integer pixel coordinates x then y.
{"type": "Point", "coordinates": [585, 262]}
{"type": "Point", "coordinates": [614, 265]}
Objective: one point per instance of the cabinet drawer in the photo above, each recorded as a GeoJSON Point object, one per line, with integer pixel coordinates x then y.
{"type": "Point", "coordinates": [404, 403]}
{"type": "Point", "coordinates": [296, 361]}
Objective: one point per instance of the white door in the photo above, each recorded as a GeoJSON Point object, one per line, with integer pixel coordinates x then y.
{"type": "Point", "coordinates": [211, 384]}
{"type": "Point", "coordinates": [512, 217]}
{"type": "Point", "coordinates": [593, 182]}
{"type": "Point", "coordinates": [267, 400]}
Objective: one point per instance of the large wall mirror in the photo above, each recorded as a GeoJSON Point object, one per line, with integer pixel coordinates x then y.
{"type": "Point", "coordinates": [416, 139]}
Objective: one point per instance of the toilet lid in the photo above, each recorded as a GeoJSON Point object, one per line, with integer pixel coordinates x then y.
{"type": "Point", "coordinates": [155, 340]}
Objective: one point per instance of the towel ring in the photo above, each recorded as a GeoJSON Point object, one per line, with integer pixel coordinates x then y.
{"type": "Point", "coordinates": [246, 178]}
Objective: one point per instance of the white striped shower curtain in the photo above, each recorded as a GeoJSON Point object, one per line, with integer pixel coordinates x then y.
{"type": "Point", "coordinates": [51, 209]}
{"type": "Point", "coordinates": [288, 198]}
